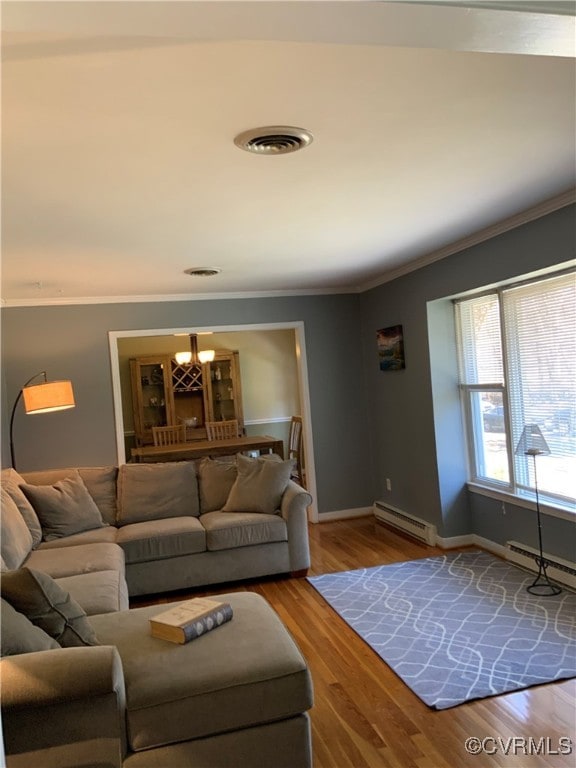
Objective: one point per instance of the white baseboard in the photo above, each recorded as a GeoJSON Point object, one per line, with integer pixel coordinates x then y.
{"type": "Point", "coordinates": [491, 546]}
{"type": "Point", "coordinates": [471, 540]}
{"type": "Point", "coordinates": [343, 514]}
{"type": "Point", "coordinates": [452, 542]}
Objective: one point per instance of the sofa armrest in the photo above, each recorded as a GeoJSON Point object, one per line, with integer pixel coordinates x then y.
{"type": "Point", "coordinates": [64, 708]}
{"type": "Point", "coordinates": [294, 509]}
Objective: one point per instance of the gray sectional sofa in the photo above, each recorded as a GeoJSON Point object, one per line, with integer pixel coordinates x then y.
{"type": "Point", "coordinates": [175, 525]}
{"type": "Point", "coordinates": [238, 696]}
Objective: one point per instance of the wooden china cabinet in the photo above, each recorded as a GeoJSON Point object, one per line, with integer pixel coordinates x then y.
{"type": "Point", "coordinates": [165, 393]}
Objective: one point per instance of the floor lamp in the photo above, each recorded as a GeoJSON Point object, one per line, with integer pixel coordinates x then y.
{"type": "Point", "coordinates": [532, 443]}
{"type": "Point", "coordinates": [41, 398]}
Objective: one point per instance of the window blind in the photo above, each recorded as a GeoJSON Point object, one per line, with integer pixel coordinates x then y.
{"type": "Point", "coordinates": [480, 345]}
{"type": "Point", "coordinates": [540, 326]}
{"type": "Point", "coordinates": [517, 366]}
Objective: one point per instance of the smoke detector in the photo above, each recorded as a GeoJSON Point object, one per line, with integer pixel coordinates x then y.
{"type": "Point", "coordinates": [202, 271]}
{"type": "Point", "coordinates": [274, 140]}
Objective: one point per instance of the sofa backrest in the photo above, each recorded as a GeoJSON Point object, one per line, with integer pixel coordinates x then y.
{"type": "Point", "coordinates": [100, 482]}
{"type": "Point", "coordinates": [15, 537]}
{"type": "Point", "coordinates": [133, 492]}
{"type": "Point", "coordinates": [157, 490]}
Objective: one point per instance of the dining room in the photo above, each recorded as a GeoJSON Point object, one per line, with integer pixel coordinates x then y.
{"type": "Point", "coordinates": [251, 376]}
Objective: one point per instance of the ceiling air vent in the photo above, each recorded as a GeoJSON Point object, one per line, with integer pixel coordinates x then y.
{"type": "Point", "coordinates": [202, 271]}
{"type": "Point", "coordinates": [273, 140]}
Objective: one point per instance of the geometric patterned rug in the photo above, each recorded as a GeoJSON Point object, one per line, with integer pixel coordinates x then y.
{"type": "Point", "coordinates": [457, 627]}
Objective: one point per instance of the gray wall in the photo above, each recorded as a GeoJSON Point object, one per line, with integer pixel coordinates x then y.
{"type": "Point", "coordinates": [418, 438]}
{"type": "Point", "coordinates": [367, 425]}
{"type": "Point", "coordinates": [72, 342]}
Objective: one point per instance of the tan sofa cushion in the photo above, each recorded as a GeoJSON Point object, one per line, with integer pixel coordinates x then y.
{"type": "Point", "coordinates": [161, 539]}
{"type": "Point", "coordinates": [155, 491]}
{"type": "Point", "coordinates": [98, 592]}
{"type": "Point", "coordinates": [68, 561]}
{"type": "Point", "coordinates": [245, 672]}
{"type": "Point", "coordinates": [11, 482]}
{"type": "Point", "coordinates": [108, 535]}
{"type": "Point", "coordinates": [100, 482]}
{"type": "Point", "coordinates": [230, 530]}
{"type": "Point", "coordinates": [15, 537]}
{"type": "Point", "coordinates": [215, 478]}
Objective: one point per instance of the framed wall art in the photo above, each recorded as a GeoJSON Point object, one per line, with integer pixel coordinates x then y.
{"type": "Point", "coordinates": [391, 348]}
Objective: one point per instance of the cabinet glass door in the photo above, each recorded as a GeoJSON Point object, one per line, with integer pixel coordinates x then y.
{"type": "Point", "coordinates": [222, 386]}
{"type": "Point", "coordinates": [153, 386]}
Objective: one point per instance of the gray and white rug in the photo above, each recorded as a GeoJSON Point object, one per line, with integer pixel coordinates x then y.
{"type": "Point", "coordinates": [457, 627]}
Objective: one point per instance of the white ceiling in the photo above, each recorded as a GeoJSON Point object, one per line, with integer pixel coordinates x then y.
{"type": "Point", "coordinates": [434, 125]}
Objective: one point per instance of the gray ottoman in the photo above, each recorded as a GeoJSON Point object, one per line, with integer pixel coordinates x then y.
{"type": "Point", "coordinates": [242, 689]}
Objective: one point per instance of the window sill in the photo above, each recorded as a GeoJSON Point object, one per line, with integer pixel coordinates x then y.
{"type": "Point", "coordinates": [546, 507]}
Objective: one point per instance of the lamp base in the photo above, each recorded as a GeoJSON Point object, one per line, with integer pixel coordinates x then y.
{"type": "Point", "coordinates": [542, 586]}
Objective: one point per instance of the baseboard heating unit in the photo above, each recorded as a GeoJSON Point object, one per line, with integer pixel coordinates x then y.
{"type": "Point", "coordinates": [560, 571]}
{"type": "Point", "coordinates": [414, 526]}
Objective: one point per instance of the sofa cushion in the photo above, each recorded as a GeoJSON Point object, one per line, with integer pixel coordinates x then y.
{"type": "Point", "coordinates": [68, 561]}
{"type": "Point", "coordinates": [15, 538]}
{"type": "Point", "coordinates": [11, 482]}
{"type": "Point", "coordinates": [100, 482]}
{"type": "Point", "coordinates": [259, 485]}
{"type": "Point", "coordinates": [230, 530]}
{"type": "Point", "coordinates": [215, 478]}
{"type": "Point", "coordinates": [246, 672]}
{"type": "Point", "coordinates": [48, 606]}
{"type": "Point", "coordinates": [64, 508]}
{"type": "Point", "coordinates": [97, 592]}
{"type": "Point", "coordinates": [19, 635]}
{"type": "Point", "coordinates": [154, 491]}
{"type": "Point", "coordinates": [106, 535]}
{"type": "Point", "coordinates": [161, 539]}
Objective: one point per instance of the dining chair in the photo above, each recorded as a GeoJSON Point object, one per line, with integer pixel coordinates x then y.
{"type": "Point", "coordinates": [169, 435]}
{"type": "Point", "coordinates": [295, 450]}
{"type": "Point", "coordinates": [222, 430]}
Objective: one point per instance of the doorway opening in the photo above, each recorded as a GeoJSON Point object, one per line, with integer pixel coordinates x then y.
{"type": "Point", "coordinates": [274, 378]}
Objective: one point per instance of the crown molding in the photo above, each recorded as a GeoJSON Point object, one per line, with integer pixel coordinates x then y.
{"type": "Point", "coordinates": [85, 300]}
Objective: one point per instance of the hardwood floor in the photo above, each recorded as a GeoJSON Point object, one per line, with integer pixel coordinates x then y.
{"type": "Point", "coordinates": [364, 716]}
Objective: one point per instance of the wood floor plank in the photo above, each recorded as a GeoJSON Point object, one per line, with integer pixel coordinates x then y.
{"type": "Point", "coordinates": [364, 716]}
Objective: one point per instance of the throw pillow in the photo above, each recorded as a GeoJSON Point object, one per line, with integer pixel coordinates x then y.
{"type": "Point", "coordinates": [64, 508]}
{"type": "Point", "coordinates": [19, 635]}
{"type": "Point", "coordinates": [259, 485]}
{"type": "Point", "coordinates": [155, 491]}
{"type": "Point", "coordinates": [216, 479]}
{"type": "Point", "coordinates": [12, 481]}
{"type": "Point", "coordinates": [15, 538]}
{"type": "Point", "coordinates": [48, 606]}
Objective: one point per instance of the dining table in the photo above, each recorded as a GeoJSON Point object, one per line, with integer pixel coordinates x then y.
{"type": "Point", "coordinates": [196, 449]}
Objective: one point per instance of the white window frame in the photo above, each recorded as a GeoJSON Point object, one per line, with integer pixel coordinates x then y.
{"type": "Point", "coordinates": [467, 391]}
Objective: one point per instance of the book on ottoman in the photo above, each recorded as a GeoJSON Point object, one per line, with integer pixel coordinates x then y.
{"type": "Point", "coordinates": [190, 619]}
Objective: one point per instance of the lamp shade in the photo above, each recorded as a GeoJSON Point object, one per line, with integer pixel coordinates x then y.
{"type": "Point", "coordinates": [206, 355]}
{"type": "Point", "coordinates": [48, 396]}
{"type": "Point", "coordinates": [183, 358]}
{"type": "Point", "coordinates": [532, 442]}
